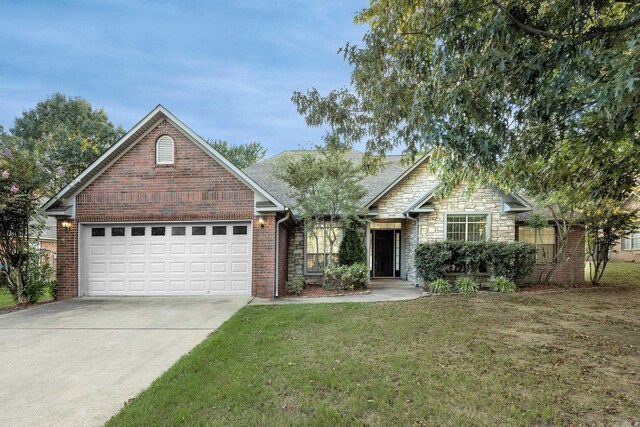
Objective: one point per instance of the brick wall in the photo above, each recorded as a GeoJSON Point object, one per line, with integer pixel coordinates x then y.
{"type": "Point", "coordinates": [283, 258]}
{"type": "Point", "coordinates": [136, 189]}
{"type": "Point", "coordinates": [573, 271]}
{"type": "Point", "coordinates": [264, 257]}
{"type": "Point", "coordinates": [67, 263]}
{"type": "Point", "coordinates": [195, 187]}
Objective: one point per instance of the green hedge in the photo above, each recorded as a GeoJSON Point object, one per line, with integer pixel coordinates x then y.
{"type": "Point", "coordinates": [355, 276]}
{"type": "Point", "coordinates": [513, 260]}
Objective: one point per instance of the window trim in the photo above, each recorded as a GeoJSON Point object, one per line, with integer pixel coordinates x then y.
{"type": "Point", "coordinates": [167, 138]}
{"type": "Point", "coordinates": [630, 238]}
{"type": "Point", "coordinates": [304, 239]}
{"type": "Point", "coordinates": [471, 213]}
{"type": "Point", "coordinates": [537, 245]}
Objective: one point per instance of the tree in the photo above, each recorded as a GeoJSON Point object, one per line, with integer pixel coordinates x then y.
{"type": "Point", "coordinates": [488, 87]}
{"type": "Point", "coordinates": [326, 188]}
{"type": "Point", "coordinates": [536, 95]}
{"type": "Point", "coordinates": [241, 155]}
{"type": "Point", "coordinates": [352, 249]}
{"type": "Point", "coordinates": [24, 181]}
{"type": "Point", "coordinates": [606, 224]}
{"type": "Point", "coordinates": [68, 131]}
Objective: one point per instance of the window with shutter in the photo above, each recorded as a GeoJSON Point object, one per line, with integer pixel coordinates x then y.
{"type": "Point", "coordinates": [164, 150]}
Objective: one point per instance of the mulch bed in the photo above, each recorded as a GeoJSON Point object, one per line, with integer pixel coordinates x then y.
{"type": "Point", "coordinates": [314, 291]}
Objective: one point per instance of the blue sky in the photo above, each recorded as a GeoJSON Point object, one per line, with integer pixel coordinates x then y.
{"type": "Point", "coordinates": [226, 68]}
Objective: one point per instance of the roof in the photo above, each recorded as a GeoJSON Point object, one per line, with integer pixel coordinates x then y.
{"type": "Point", "coordinates": [264, 174]}
{"type": "Point", "coordinates": [142, 128]}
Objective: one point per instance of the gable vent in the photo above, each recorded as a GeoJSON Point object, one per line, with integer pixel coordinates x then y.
{"type": "Point", "coordinates": [164, 150]}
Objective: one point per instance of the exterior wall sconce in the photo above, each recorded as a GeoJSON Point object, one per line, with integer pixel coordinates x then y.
{"type": "Point", "coordinates": [261, 221]}
{"type": "Point", "coordinates": [66, 225]}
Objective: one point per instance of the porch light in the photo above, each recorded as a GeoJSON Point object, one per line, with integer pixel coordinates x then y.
{"type": "Point", "coordinates": [261, 222]}
{"type": "Point", "coordinates": [66, 225]}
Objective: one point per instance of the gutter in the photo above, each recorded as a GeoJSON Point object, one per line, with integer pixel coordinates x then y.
{"type": "Point", "coordinates": [286, 217]}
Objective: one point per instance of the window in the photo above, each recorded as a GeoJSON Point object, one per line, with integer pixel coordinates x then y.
{"type": "Point", "coordinates": [239, 229]}
{"type": "Point", "coordinates": [319, 249]}
{"type": "Point", "coordinates": [543, 238]}
{"type": "Point", "coordinates": [178, 231]}
{"type": "Point", "coordinates": [630, 242]}
{"type": "Point", "coordinates": [219, 230]}
{"type": "Point", "coordinates": [117, 231]}
{"type": "Point", "coordinates": [198, 231]}
{"type": "Point", "coordinates": [164, 150]}
{"type": "Point", "coordinates": [157, 231]}
{"type": "Point", "coordinates": [97, 232]}
{"type": "Point", "coordinates": [137, 231]}
{"type": "Point", "coordinates": [467, 227]}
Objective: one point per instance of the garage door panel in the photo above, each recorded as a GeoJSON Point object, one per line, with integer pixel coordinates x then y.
{"type": "Point", "coordinates": [198, 259]}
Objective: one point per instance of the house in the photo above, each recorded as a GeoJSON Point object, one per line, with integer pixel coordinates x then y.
{"type": "Point", "coordinates": [47, 241]}
{"type": "Point", "coordinates": [627, 249]}
{"type": "Point", "coordinates": [162, 213]}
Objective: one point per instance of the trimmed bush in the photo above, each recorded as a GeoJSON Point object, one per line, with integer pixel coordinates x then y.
{"type": "Point", "coordinates": [465, 284]}
{"type": "Point", "coordinates": [352, 249]}
{"type": "Point", "coordinates": [295, 286]}
{"type": "Point", "coordinates": [346, 277]}
{"type": "Point", "coordinates": [502, 284]}
{"type": "Point", "coordinates": [440, 286]}
{"type": "Point", "coordinates": [513, 260]}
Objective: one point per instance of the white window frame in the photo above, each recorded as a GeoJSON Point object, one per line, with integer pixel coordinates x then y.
{"type": "Point", "coordinates": [336, 248]}
{"type": "Point", "coordinates": [168, 139]}
{"type": "Point", "coordinates": [487, 227]}
{"type": "Point", "coordinates": [631, 242]}
{"type": "Point", "coordinates": [539, 258]}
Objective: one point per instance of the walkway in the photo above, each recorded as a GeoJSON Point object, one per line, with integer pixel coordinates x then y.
{"type": "Point", "coordinates": [380, 290]}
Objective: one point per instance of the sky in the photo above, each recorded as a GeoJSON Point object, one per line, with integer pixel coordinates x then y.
{"type": "Point", "coordinates": [227, 69]}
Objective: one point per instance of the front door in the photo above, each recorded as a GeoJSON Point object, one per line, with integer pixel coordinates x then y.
{"type": "Point", "coordinates": [383, 241]}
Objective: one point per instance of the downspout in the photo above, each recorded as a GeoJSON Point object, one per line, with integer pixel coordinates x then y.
{"type": "Point", "coordinates": [416, 235]}
{"type": "Point", "coordinates": [286, 217]}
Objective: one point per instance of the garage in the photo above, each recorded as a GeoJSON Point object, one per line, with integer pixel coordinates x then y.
{"type": "Point", "coordinates": [166, 259]}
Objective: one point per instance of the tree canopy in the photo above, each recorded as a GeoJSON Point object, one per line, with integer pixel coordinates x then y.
{"type": "Point", "coordinates": [68, 132]}
{"type": "Point", "coordinates": [506, 92]}
{"type": "Point", "coordinates": [241, 155]}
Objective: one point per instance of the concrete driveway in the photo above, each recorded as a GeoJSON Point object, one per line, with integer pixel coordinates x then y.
{"type": "Point", "coordinates": [77, 362]}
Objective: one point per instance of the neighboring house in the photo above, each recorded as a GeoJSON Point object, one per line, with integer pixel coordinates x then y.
{"type": "Point", "coordinates": [163, 213]}
{"type": "Point", "coordinates": [628, 248]}
{"type": "Point", "coordinates": [47, 241]}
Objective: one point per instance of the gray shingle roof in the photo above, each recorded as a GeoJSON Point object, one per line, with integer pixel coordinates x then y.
{"type": "Point", "coordinates": [263, 173]}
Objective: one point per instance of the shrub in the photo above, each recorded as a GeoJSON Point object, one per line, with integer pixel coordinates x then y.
{"type": "Point", "coordinates": [37, 274]}
{"type": "Point", "coordinates": [295, 286]}
{"type": "Point", "coordinates": [352, 249]}
{"type": "Point", "coordinates": [341, 277]}
{"type": "Point", "coordinates": [502, 284]}
{"type": "Point", "coordinates": [513, 260]}
{"type": "Point", "coordinates": [465, 284]}
{"type": "Point", "coordinates": [440, 286]}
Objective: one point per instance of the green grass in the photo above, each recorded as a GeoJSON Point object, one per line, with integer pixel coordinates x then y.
{"type": "Point", "coordinates": [6, 300]}
{"type": "Point", "coordinates": [529, 358]}
{"type": "Point", "coordinates": [616, 273]}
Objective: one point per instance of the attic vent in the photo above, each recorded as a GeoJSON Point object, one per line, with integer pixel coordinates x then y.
{"type": "Point", "coordinates": [164, 150]}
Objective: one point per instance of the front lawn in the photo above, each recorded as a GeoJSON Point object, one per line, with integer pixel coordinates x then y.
{"type": "Point", "coordinates": [619, 273]}
{"type": "Point", "coordinates": [558, 357]}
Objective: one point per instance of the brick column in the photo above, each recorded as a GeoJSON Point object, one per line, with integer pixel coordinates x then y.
{"type": "Point", "coordinates": [264, 257]}
{"type": "Point", "coordinates": [67, 263]}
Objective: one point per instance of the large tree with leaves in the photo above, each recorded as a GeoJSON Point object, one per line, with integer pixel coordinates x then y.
{"type": "Point", "coordinates": [489, 86]}
{"type": "Point", "coordinates": [241, 155]}
{"type": "Point", "coordinates": [536, 95]}
{"type": "Point", "coordinates": [68, 131]}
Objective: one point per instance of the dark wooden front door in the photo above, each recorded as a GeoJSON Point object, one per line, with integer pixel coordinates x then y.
{"type": "Point", "coordinates": [383, 253]}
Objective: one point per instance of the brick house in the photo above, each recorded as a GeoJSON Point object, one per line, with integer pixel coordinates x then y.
{"type": "Point", "coordinates": [627, 249]}
{"type": "Point", "coordinates": [162, 213]}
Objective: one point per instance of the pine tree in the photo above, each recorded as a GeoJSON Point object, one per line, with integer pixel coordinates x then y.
{"type": "Point", "coordinates": [351, 248]}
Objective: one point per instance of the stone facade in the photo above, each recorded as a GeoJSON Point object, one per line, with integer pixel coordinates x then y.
{"type": "Point", "coordinates": [406, 193]}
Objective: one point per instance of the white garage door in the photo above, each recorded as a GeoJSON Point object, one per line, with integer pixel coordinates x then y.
{"type": "Point", "coordinates": [166, 259]}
